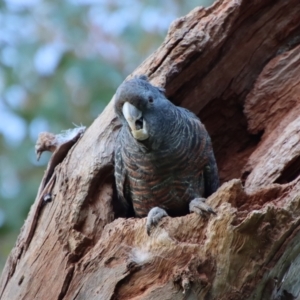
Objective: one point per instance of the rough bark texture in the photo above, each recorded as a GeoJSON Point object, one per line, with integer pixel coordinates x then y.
{"type": "Point", "coordinates": [236, 65]}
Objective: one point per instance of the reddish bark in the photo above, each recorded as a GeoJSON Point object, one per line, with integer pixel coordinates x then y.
{"type": "Point", "coordinates": [236, 65]}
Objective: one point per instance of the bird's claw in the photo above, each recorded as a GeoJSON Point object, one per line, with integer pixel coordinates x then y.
{"type": "Point", "coordinates": [199, 206]}
{"type": "Point", "coordinates": [154, 216]}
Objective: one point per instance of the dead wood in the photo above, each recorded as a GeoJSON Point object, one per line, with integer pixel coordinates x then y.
{"type": "Point", "coordinates": [236, 65]}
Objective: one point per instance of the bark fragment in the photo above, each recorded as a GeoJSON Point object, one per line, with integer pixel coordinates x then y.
{"type": "Point", "coordinates": [234, 64]}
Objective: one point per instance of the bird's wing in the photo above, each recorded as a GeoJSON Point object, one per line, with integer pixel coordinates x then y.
{"type": "Point", "coordinates": [120, 177]}
{"type": "Point", "coordinates": [210, 169]}
{"type": "Point", "coordinates": [211, 177]}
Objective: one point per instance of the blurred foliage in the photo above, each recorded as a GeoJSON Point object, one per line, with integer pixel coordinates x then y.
{"type": "Point", "coordinates": [60, 63]}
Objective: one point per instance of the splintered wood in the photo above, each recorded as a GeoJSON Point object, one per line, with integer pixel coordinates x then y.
{"type": "Point", "coordinates": [236, 65]}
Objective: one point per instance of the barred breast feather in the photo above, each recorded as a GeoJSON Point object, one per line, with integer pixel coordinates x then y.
{"type": "Point", "coordinates": [168, 170]}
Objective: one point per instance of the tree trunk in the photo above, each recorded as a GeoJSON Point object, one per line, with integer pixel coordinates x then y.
{"type": "Point", "coordinates": [236, 65]}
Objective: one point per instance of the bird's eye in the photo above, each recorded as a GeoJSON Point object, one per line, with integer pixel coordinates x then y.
{"type": "Point", "coordinates": [150, 99]}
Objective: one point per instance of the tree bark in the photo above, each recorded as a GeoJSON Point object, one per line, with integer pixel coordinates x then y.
{"type": "Point", "coordinates": [236, 65]}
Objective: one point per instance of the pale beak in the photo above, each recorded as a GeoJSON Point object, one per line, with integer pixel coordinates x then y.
{"type": "Point", "coordinates": [136, 122]}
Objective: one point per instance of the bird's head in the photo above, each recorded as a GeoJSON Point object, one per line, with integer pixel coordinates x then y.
{"type": "Point", "coordinates": [139, 105]}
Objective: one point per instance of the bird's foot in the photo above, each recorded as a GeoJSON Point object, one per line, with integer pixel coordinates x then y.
{"type": "Point", "coordinates": [154, 216]}
{"type": "Point", "coordinates": [199, 206]}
